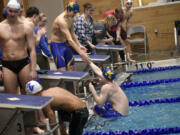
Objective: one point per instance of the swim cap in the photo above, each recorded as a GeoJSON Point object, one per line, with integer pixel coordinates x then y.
{"type": "Point", "coordinates": [73, 6]}
{"type": "Point", "coordinates": [33, 87]}
{"type": "Point", "coordinates": [13, 4]}
{"type": "Point", "coordinates": [4, 12]}
{"type": "Point", "coordinates": [128, 1]}
{"type": "Point", "coordinates": [109, 74]}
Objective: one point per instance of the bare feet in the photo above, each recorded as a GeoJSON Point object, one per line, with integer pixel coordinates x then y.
{"type": "Point", "coordinates": [38, 130]}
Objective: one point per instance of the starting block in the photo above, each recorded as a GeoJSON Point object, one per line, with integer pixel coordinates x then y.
{"type": "Point", "coordinates": [97, 59]}
{"type": "Point", "coordinates": [94, 58]}
{"type": "Point", "coordinates": [64, 75]}
{"type": "Point", "coordinates": [110, 49]}
{"type": "Point", "coordinates": [52, 78]}
{"type": "Point", "coordinates": [13, 108]}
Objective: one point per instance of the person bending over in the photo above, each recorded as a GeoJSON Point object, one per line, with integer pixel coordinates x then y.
{"type": "Point", "coordinates": [63, 100]}
{"type": "Point", "coordinates": [110, 91]}
{"type": "Point", "coordinates": [119, 33]}
{"type": "Point", "coordinates": [103, 37]}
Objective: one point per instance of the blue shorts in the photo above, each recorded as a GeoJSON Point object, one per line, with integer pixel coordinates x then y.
{"type": "Point", "coordinates": [62, 54]}
{"type": "Point", "coordinates": [106, 111]}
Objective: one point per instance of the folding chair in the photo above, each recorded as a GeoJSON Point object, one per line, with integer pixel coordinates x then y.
{"type": "Point", "coordinates": [139, 29]}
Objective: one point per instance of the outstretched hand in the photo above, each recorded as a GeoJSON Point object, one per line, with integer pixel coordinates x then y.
{"type": "Point", "coordinates": [85, 57]}
{"type": "Point", "coordinates": [83, 48]}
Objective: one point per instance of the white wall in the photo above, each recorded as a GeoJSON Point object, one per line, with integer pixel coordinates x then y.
{"type": "Point", "coordinates": [51, 8]}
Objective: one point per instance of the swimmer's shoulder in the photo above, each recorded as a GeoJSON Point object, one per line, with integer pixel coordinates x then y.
{"type": "Point", "coordinates": [60, 21]}
{"type": "Point", "coordinates": [3, 25]}
{"type": "Point", "coordinates": [106, 87]}
{"type": "Point", "coordinates": [28, 23]}
{"type": "Point", "coordinates": [3, 22]}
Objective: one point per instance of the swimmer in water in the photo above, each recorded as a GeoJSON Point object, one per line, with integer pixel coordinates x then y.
{"type": "Point", "coordinates": [110, 91]}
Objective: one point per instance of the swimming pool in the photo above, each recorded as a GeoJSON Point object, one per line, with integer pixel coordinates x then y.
{"type": "Point", "coordinates": [140, 117]}
{"type": "Point", "coordinates": [159, 91]}
{"type": "Point", "coordinates": [154, 117]}
{"type": "Point", "coordinates": [156, 73]}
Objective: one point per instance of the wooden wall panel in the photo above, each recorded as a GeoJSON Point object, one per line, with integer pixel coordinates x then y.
{"type": "Point", "coordinates": [160, 18]}
{"type": "Point", "coordinates": [1, 8]}
{"type": "Point", "coordinates": [101, 6]}
{"type": "Point", "coordinates": [144, 2]}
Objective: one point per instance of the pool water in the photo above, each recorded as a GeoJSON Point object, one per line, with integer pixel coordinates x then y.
{"type": "Point", "coordinates": [166, 74]}
{"type": "Point", "coordinates": [160, 91]}
{"type": "Point", "coordinates": [165, 115]}
{"type": "Point", "coordinates": [140, 117]}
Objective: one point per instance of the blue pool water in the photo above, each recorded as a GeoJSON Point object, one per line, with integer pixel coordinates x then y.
{"type": "Point", "coordinates": [163, 115]}
{"type": "Point", "coordinates": [160, 91]}
{"type": "Point", "coordinates": [144, 117]}
{"type": "Point", "coordinates": [156, 75]}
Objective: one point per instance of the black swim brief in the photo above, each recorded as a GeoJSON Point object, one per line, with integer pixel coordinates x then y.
{"type": "Point", "coordinates": [16, 66]}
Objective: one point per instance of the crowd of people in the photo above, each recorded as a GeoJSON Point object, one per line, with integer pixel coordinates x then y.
{"type": "Point", "coordinates": [24, 45]}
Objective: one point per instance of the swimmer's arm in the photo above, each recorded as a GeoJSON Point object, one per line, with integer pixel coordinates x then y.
{"type": "Point", "coordinates": [66, 32]}
{"type": "Point", "coordinates": [101, 99]}
{"type": "Point", "coordinates": [118, 34]}
{"type": "Point", "coordinates": [90, 44]}
{"type": "Point", "coordinates": [77, 42]}
{"type": "Point", "coordinates": [31, 24]}
{"type": "Point", "coordinates": [31, 46]}
{"type": "Point", "coordinates": [96, 70]}
{"type": "Point", "coordinates": [108, 35]}
{"type": "Point", "coordinates": [75, 39]}
{"type": "Point", "coordinates": [49, 113]}
{"type": "Point", "coordinates": [64, 28]}
{"type": "Point", "coordinates": [118, 31]}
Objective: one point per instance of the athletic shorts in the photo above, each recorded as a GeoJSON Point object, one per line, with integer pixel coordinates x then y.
{"type": "Point", "coordinates": [62, 55]}
{"type": "Point", "coordinates": [106, 111]}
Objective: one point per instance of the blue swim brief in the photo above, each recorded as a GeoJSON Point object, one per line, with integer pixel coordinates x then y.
{"type": "Point", "coordinates": [62, 54]}
{"type": "Point", "coordinates": [106, 111]}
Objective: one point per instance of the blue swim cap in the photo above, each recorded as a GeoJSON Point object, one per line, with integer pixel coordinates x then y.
{"type": "Point", "coordinates": [109, 74]}
{"type": "Point", "coordinates": [73, 6]}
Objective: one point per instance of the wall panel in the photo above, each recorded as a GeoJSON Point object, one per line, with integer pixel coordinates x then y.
{"type": "Point", "coordinates": [1, 8]}
{"type": "Point", "coordinates": [160, 18]}
{"type": "Point", "coordinates": [101, 6]}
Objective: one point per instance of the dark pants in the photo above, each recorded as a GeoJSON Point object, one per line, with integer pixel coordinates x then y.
{"type": "Point", "coordinates": [77, 119]}
{"type": "Point", "coordinates": [122, 55]}
{"type": "Point", "coordinates": [42, 61]}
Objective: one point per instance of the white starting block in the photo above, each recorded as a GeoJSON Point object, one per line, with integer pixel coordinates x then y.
{"type": "Point", "coordinates": [13, 108]}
